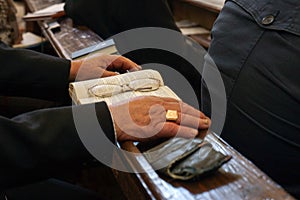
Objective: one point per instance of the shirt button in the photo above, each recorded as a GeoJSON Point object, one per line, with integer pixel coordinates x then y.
{"type": "Point", "coordinates": [267, 20]}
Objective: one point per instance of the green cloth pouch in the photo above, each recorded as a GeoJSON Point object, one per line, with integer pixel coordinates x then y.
{"type": "Point", "coordinates": [185, 159]}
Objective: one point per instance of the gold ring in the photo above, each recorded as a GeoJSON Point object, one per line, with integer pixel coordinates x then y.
{"type": "Point", "coordinates": [206, 121]}
{"type": "Point", "coordinates": [171, 115]}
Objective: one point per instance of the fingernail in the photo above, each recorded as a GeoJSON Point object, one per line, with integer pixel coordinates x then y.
{"type": "Point", "coordinates": [194, 133]}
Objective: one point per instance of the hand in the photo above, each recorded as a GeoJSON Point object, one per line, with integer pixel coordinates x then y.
{"type": "Point", "coordinates": [144, 118]}
{"type": "Point", "coordinates": [100, 65]}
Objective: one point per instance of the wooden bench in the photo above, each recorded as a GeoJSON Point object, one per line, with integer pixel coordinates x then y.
{"type": "Point", "coordinates": [238, 179]}
{"type": "Point", "coordinates": [200, 12]}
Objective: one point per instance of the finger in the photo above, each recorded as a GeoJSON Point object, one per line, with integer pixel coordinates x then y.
{"type": "Point", "coordinates": [122, 64]}
{"type": "Point", "coordinates": [172, 104]}
{"type": "Point", "coordinates": [171, 129]}
{"type": "Point", "coordinates": [107, 73]}
{"type": "Point", "coordinates": [170, 100]}
{"type": "Point", "coordinates": [183, 107]}
{"type": "Point", "coordinates": [192, 121]}
{"type": "Point", "coordinates": [202, 133]}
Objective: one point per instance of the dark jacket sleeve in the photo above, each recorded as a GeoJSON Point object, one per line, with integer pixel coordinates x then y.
{"type": "Point", "coordinates": [44, 143]}
{"type": "Point", "coordinates": [31, 74]}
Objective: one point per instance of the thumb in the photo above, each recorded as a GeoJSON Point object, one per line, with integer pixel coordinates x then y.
{"type": "Point", "coordinates": [107, 73]}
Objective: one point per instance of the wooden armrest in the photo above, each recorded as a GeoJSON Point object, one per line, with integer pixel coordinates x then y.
{"type": "Point", "coordinates": [237, 179]}
{"type": "Point", "coordinates": [211, 5]}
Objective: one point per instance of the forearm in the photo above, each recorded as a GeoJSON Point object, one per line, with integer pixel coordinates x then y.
{"type": "Point", "coordinates": [37, 145]}
{"type": "Point", "coordinates": [32, 74]}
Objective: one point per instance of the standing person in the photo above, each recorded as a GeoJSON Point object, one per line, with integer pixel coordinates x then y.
{"type": "Point", "coordinates": [256, 47]}
{"type": "Point", "coordinates": [110, 17]}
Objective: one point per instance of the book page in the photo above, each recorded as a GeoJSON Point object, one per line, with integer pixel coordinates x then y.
{"type": "Point", "coordinates": [163, 91]}
{"type": "Point", "coordinates": [29, 40]}
{"type": "Point", "coordinates": [194, 30]}
{"type": "Point", "coordinates": [81, 91]}
{"type": "Point", "coordinates": [55, 10]}
{"type": "Point", "coordinates": [51, 9]}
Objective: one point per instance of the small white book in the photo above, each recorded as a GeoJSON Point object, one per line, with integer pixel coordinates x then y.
{"type": "Point", "coordinates": [53, 11]}
{"type": "Point", "coordinates": [118, 88]}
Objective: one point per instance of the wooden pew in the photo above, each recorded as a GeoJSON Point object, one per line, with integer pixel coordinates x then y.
{"type": "Point", "coordinates": [201, 12]}
{"type": "Point", "coordinates": [238, 179]}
